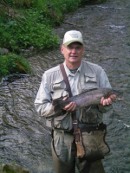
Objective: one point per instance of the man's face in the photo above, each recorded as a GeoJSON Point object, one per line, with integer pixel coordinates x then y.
{"type": "Point", "coordinates": [73, 53]}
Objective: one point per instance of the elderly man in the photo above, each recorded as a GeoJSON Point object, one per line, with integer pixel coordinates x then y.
{"type": "Point", "coordinates": [82, 75]}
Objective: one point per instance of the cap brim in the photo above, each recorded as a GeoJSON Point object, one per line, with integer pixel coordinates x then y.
{"type": "Point", "coordinates": [72, 41]}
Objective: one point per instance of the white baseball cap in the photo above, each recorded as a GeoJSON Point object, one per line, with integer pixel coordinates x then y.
{"type": "Point", "coordinates": [72, 36]}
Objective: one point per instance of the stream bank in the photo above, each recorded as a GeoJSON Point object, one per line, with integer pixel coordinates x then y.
{"type": "Point", "coordinates": [23, 137]}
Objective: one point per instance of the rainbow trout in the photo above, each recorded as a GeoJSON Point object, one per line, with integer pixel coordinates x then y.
{"type": "Point", "coordinates": [87, 98]}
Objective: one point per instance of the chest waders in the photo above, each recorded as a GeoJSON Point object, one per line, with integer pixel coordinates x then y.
{"type": "Point", "coordinates": [59, 165]}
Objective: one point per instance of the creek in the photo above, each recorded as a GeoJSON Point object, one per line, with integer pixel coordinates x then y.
{"type": "Point", "coordinates": [24, 139]}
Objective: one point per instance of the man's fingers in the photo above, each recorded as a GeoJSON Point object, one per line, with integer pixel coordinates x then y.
{"type": "Point", "coordinates": [70, 107]}
{"type": "Point", "coordinates": [107, 101]}
{"type": "Point", "coordinates": [101, 101]}
{"type": "Point", "coordinates": [113, 97]}
{"type": "Point", "coordinates": [104, 101]}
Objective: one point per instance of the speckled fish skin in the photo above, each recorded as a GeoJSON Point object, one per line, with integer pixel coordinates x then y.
{"type": "Point", "coordinates": [87, 98]}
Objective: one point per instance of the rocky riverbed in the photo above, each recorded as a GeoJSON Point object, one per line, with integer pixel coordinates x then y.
{"type": "Point", "coordinates": [24, 139]}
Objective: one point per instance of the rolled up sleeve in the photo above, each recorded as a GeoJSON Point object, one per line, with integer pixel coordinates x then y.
{"type": "Point", "coordinates": [104, 83]}
{"type": "Point", "coordinates": [103, 80]}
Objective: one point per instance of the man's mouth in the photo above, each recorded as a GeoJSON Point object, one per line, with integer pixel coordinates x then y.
{"type": "Point", "coordinates": [73, 56]}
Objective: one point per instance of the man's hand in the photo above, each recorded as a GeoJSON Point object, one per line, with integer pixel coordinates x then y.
{"type": "Point", "coordinates": [108, 101]}
{"type": "Point", "coordinates": [70, 107]}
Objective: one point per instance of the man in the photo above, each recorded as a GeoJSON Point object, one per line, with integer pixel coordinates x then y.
{"type": "Point", "coordinates": [82, 75]}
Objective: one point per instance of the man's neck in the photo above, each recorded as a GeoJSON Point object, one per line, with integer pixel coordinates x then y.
{"type": "Point", "coordinates": [73, 66]}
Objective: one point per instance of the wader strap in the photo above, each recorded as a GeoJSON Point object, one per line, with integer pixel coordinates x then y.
{"type": "Point", "coordinates": [68, 88]}
{"type": "Point", "coordinates": [73, 114]}
{"type": "Point", "coordinates": [66, 79]}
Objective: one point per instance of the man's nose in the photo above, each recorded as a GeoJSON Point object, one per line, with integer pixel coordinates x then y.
{"type": "Point", "coordinates": [73, 50]}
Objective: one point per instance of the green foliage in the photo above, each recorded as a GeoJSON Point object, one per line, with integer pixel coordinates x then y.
{"type": "Point", "coordinates": [30, 23]}
{"type": "Point", "coordinates": [19, 3]}
{"type": "Point", "coordinates": [12, 63]}
{"type": "Point", "coordinates": [27, 23]}
{"type": "Point", "coordinates": [12, 168]}
{"type": "Point", "coordinates": [27, 32]}
{"type": "Point", "coordinates": [24, 28]}
{"type": "Point", "coordinates": [56, 9]}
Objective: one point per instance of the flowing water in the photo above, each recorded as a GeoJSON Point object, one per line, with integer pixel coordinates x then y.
{"type": "Point", "coordinates": [23, 137]}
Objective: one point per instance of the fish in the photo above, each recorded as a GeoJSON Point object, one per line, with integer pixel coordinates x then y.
{"type": "Point", "coordinates": [86, 98]}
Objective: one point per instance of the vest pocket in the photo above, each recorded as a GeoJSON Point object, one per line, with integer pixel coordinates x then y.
{"type": "Point", "coordinates": [90, 82]}
{"type": "Point", "coordinates": [58, 89]}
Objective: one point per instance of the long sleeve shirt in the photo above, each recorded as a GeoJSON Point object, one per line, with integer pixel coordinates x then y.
{"type": "Point", "coordinates": [87, 76]}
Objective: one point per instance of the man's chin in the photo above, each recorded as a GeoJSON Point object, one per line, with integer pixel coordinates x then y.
{"type": "Point", "coordinates": [74, 60]}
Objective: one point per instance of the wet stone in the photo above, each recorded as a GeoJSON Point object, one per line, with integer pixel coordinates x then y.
{"type": "Point", "coordinates": [24, 138]}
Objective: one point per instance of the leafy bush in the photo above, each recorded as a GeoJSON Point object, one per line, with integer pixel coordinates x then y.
{"type": "Point", "coordinates": [56, 9]}
{"type": "Point", "coordinates": [24, 33]}
{"type": "Point", "coordinates": [32, 26]}
{"type": "Point", "coordinates": [12, 63]}
{"type": "Point", "coordinates": [27, 23]}
{"type": "Point", "coordinates": [18, 3]}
